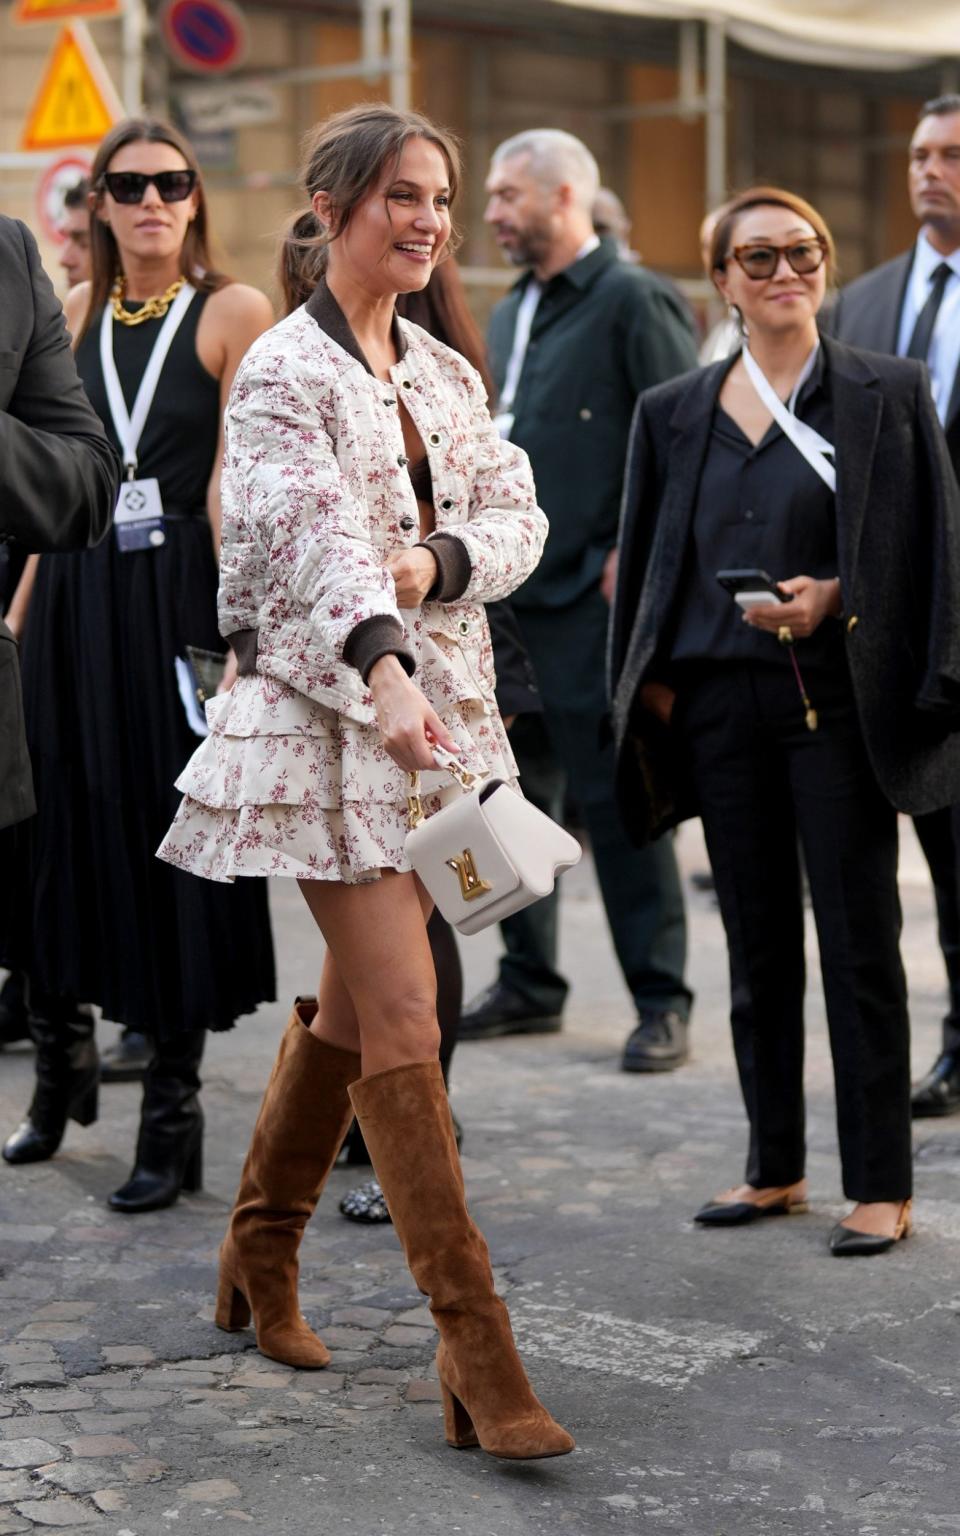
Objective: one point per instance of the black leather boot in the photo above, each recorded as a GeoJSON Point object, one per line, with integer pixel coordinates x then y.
{"type": "Point", "coordinates": [68, 1075]}
{"type": "Point", "coordinates": [170, 1144]}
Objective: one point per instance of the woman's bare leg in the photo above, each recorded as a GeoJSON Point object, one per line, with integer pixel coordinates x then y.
{"type": "Point", "coordinates": [378, 985]}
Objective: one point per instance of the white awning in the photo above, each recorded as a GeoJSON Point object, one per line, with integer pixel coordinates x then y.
{"type": "Point", "coordinates": [853, 34]}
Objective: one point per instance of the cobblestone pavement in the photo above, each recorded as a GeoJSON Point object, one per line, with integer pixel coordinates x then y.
{"type": "Point", "coordinates": [718, 1384]}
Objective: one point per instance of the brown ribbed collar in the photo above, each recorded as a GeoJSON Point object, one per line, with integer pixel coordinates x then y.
{"type": "Point", "coordinates": [323, 307]}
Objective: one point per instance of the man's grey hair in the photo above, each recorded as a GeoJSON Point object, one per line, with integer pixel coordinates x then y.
{"type": "Point", "coordinates": [556, 159]}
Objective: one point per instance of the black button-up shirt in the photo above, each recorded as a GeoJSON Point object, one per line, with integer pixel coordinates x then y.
{"type": "Point", "coordinates": [758, 506]}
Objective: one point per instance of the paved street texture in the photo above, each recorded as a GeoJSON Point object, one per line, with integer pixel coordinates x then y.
{"type": "Point", "coordinates": [718, 1383]}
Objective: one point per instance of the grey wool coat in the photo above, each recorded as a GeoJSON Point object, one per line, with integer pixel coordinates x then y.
{"type": "Point", "coordinates": [59, 476]}
{"type": "Point", "coordinates": [898, 549]}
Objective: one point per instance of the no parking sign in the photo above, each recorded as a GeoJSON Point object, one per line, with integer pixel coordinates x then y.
{"type": "Point", "coordinates": [53, 187]}
{"type": "Point", "coordinates": [207, 36]}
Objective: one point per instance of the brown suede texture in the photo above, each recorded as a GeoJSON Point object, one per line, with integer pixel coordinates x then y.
{"type": "Point", "coordinates": [405, 1118]}
{"type": "Point", "coordinates": [303, 1119]}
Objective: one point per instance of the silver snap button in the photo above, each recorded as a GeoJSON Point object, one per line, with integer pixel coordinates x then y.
{"type": "Point", "coordinates": [406, 384]}
{"type": "Point", "coordinates": [406, 523]}
{"type": "Point", "coordinates": [586, 414]}
{"type": "Point", "coordinates": [464, 627]}
{"type": "Point", "coordinates": [434, 438]}
{"type": "Point", "coordinates": [446, 504]}
{"type": "Point", "coordinates": [402, 460]}
{"type": "Point", "coordinates": [389, 400]}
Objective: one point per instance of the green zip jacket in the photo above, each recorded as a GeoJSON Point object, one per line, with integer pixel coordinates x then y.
{"type": "Point", "coordinates": [603, 332]}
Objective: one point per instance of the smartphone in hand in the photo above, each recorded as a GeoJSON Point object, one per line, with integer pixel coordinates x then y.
{"type": "Point", "coordinates": [751, 588]}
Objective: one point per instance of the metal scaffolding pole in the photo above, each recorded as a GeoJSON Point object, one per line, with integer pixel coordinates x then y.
{"type": "Point", "coordinates": [715, 118]}
{"type": "Point", "coordinates": [134, 40]}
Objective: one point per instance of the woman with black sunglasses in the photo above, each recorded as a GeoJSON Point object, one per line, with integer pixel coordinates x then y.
{"type": "Point", "coordinates": [806, 713]}
{"type": "Point", "coordinates": [108, 688]}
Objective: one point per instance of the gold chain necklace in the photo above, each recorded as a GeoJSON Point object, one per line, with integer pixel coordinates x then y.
{"type": "Point", "coordinates": [153, 308]}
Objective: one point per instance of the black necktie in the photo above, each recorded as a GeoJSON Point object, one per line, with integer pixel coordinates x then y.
{"type": "Point", "coordinates": [927, 318]}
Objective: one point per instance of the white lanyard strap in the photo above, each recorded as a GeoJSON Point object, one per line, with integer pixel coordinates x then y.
{"type": "Point", "coordinates": [521, 340]}
{"type": "Point", "coordinates": [803, 437]}
{"type": "Point", "coordinates": [129, 425]}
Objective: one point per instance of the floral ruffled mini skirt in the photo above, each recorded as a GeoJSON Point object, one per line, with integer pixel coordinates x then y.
{"type": "Point", "coordinates": [284, 785]}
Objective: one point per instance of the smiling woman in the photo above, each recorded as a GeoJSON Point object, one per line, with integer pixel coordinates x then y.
{"type": "Point", "coordinates": [371, 509]}
{"type": "Point", "coordinates": [809, 718]}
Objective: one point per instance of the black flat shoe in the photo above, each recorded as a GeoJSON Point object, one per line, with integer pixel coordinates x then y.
{"type": "Point", "coordinates": [737, 1213]}
{"type": "Point", "coordinates": [128, 1059]}
{"type": "Point", "coordinates": [498, 1011]}
{"type": "Point", "coordinates": [847, 1243]}
{"type": "Point", "coordinates": [939, 1092]}
{"type": "Point", "coordinates": [658, 1044]}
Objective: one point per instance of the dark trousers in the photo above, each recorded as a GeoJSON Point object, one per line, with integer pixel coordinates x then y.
{"type": "Point", "coordinates": [764, 782]}
{"type": "Point", "coordinates": [939, 835]}
{"type": "Point", "coordinates": [641, 888]}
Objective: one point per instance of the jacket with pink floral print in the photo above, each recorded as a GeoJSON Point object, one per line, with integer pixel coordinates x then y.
{"type": "Point", "coordinates": [316, 496]}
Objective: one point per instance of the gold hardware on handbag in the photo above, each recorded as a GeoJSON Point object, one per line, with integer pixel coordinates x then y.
{"type": "Point", "coordinates": [487, 853]}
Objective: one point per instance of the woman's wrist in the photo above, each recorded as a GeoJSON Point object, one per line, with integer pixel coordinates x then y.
{"type": "Point", "coordinates": [386, 673]}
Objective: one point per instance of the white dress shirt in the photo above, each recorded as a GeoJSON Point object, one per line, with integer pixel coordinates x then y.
{"type": "Point", "coordinates": [943, 358]}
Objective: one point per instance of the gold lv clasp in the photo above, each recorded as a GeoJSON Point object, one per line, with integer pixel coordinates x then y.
{"type": "Point", "coordinates": [471, 885]}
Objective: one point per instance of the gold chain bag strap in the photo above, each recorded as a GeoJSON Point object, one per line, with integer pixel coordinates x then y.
{"type": "Point", "coordinates": [486, 854]}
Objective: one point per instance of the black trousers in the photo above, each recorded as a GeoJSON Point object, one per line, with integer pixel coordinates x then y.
{"type": "Point", "coordinates": [765, 784]}
{"type": "Point", "coordinates": [939, 835]}
{"type": "Point", "coordinates": [640, 887]}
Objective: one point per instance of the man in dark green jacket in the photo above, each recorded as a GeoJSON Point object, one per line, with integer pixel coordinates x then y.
{"type": "Point", "coordinates": [572, 346]}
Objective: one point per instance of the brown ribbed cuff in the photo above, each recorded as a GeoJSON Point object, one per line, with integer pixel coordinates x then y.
{"type": "Point", "coordinates": [382, 635]}
{"type": "Point", "coordinates": [244, 645]}
{"type": "Point", "coordinates": [453, 567]}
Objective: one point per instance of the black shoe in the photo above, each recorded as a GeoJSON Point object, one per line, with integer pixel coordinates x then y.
{"type": "Point", "coordinates": [939, 1092]}
{"type": "Point", "coordinates": [14, 1014]}
{"type": "Point", "coordinates": [128, 1059]}
{"type": "Point", "coordinates": [846, 1243]}
{"type": "Point", "coordinates": [170, 1144]}
{"type": "Point", "coordinates": [498, 1011]}
{"type": "Point", "coordinates": [68, 1075]}
{"type": "Point", "coordinates": [737, 1213]}
{"type": "Point", "coordinates": [658, 1044]}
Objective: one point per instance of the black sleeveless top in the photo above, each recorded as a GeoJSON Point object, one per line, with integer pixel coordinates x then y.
{"type": "Point", "coordinates": [179, 441]}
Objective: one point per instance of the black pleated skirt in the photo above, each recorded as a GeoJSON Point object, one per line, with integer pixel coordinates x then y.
{"type": "Point", "coordinates": [98, 918]}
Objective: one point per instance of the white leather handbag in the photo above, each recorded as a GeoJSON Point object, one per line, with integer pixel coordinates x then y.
{"type": "Point", "coordinates": [488, 853]}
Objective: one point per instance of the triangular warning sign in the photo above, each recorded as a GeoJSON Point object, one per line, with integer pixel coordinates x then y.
{"type": "Point", "coordinates": [76, 102]}
{"type": "Point", "coordinates": [60, 10]}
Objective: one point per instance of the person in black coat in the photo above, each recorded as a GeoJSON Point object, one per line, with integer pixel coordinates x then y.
{"type": "Point", "coordinates": [59, 476]}
{"type": "Point", "coordinates": [815, 718]}
{"type": "Point", "coordinates": [911, 306]}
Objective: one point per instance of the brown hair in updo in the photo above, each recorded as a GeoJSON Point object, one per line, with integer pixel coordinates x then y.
{"type": "Point", "coordinates": [345, 156]}
{"type": "Point", "coordinates": [722, 240]}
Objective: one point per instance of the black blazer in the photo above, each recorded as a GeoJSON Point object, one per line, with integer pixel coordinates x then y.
{"type": "Point", "coordinates": [867, 314]}
{"type": "Point", "coordinates": [59, 475]}
{"type": "Point", "coordinates": [898, 547]}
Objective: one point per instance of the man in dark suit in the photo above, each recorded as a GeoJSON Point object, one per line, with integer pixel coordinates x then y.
{"type": "Point", "coordinates": [59, 476]}
{"type": "Point", "coordinates": [911, 306]}
{"type": "Point", "coordinates": [572, 346]}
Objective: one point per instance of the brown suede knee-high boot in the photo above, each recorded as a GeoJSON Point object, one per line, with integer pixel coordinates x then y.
{"type": "Point", "coordinates": [302, 1122]}
{"type": "Point", "coordinates": [487, 1399]}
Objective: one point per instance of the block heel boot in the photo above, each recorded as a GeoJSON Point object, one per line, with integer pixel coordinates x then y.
{"type": "Point", "coordinates": [487, 1399]}
{"type": "Point", "coordinates": [68, 1074]}
{"type": "Point", "coordinates": [303, 1119]}
{"type": "Point", "coordinates": [169, 1154]}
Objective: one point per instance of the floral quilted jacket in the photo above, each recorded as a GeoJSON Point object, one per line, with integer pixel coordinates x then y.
{"type": "Point", "coordinates": [316, 495]}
